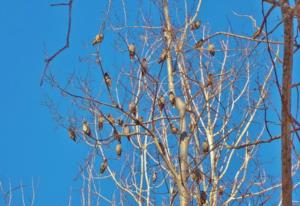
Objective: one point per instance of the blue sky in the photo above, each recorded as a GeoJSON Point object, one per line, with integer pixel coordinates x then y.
{"type": "Point", "coordinates": [32, 145]}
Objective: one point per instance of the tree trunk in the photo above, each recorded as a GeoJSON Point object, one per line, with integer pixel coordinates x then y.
{"type": "Point", "coordinates": [287, 15]}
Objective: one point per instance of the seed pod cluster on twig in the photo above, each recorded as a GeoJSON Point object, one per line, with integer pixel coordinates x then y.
{"type": "Point", "coordinates": [161, 103]}
{"type": "Point", "coordinates": [117, 135]}
{"type": "Point", "coordinates": [103, 166]}
{"type": "Point", "coordinates": [195, 25]}
{"type": "Point", "coordinates": [203, 197]}
{"type": "Point", "coordinates": [98, 39]}
{"type": "Point", "coordinates": [111, 119]}
{"type": "Point", "coordinates": [174, 130]}
{"type": "Point", "coordinates": [119, 149]}
{"type": "Point", "coordinates": [196, 175]}
{"type": "Point", "coordinates": [72, 134]}
{"type": "Point", "coordinates": [205, 147]}
{"type": "Point", "coordinates": [100, 121]}
{"type": "Point", "coordinates": [126, 131]}
{"type": "Point", "coordinates": [107, 79]}
{"type": "Point", "coordinates": [199, 44]}
{"type": "Point", "coordinates": [132, 108]}
{"type": "Point", "coordinates": [210, 80]}
{"type": "Point", "coordinates": [86, 128]}
{"type": "Point", "coordinates": [211, 49]}
{"type": "Point", "coordinates": [131, 49]}
{"type": "Point", "coordinates": [172, 98]}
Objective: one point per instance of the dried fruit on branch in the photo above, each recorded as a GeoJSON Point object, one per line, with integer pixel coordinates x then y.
{"type": "Point", "coordinates": [205, 147]}
{"type": "Point", "coordinates": [199, 44]}
{"type": "Point", "coordinates": [172, 98]}
{"type": "Point", "coordinates": [126, 131]}
{"type": "Point", "coordinates": [203, 197]}
{"type": "Point", "coordinates": [86, 128]}
{"type": "Point", "coordinates": [107, 79]}
{"type": "Point", "coordinates": [195, 25]}
{"type": "Point", "coordinates": [100, 121]}
{"type": "Point", "coordinates": [211, 49]}
{"type": "Point", "coordinates": [173, 129]}
{"type": "Point", "coordinates": [111, 119]}
{"type": "Point", "coordinates": [161, 103]}
{"type": "Point", "coordinates": [117, 135]}
{"type": "Point", "coordinates": [210, 80]}
{"type": "Point", "coordinates": [132, 108]}
{"type": "Point", "coordinates": [103, 166]}
{"type": "Point", "coordinates": [119, 149]}
{"type": "Point", "coordinates": [154, 176]}
{"type": "Point", "coordinates": [196, 175]}
{"type": "Point", "coordinates": [72, 134]}
{"type": "Point", "coordinates": [98, 39]}
{"type": "Point", "coordinates": [131, 49]}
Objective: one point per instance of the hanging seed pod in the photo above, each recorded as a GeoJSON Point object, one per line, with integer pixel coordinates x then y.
{"type": "Point", "coordinates": [173, 129]}
{"type": "Point", "coordinates": [107, 79]}
{"type": "Point", "coordinates": [210, 80]}
{"type": "Point", "coordinates": [119, 149]}
{"type": "Point", "coordinates": [144, 67]}
{"type": "Point", "coordinates": [161, 103]}
{"type": "Point", "coordinates": [205, 147]}
{"type": "Point", "coordinates": [139, 120]}
{"type": "Point", "coordinates": [120, 122]}
{"type": "Point", "coordinates": [203, 197]}
{"type": "Point", "coordinates": [195, 25]}
{"type": "Point", "coordinates": [132, 108]}
{"type": "Point", "coordinates": [126, 131]}
{"type": "Point", "coordinates": [154, 176]}
{"type": "Point", "coordinates": [117, 135]}
{"type": "Point", "coordinates": [98, 39]}
{"type": "Point", "coordinates": [196, 175]}
{"type": "Point", "coordinates": [163, 56]}
{"type": "Point", "coordinates": [211, 49]}
{"type": "Point", "coordinates": [111, 119]}
{"type": "Point", "coordinates": [199, 44]}
{"type": "Point", "coordinates": [103, 166]}
{"type": "Point", "coordinates": [100, 121]}
{"type": "Point", "coordinates": [72, 134]}
{"type": "Point", "coordinates": [131, 49]}
{"type": "Point", "coordinates": [172, 98]}
{"type": "Point", "coordinates": [86, 129]}
{"type": "Point", "coordinates": [221, 190]}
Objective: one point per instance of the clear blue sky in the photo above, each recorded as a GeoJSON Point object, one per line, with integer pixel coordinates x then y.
{"type": "Point", "coordinates": [32, 146]}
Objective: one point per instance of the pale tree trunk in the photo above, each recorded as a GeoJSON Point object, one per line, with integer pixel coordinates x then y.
{"type": "Point", "coordinates": [287, 15]}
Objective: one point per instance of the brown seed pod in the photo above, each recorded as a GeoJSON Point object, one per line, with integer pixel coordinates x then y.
{"type": "Point", "coordinates": [173, 129]}
{"type": "Point", "coordinates": [210, 80]}
{"type": "Point", "coordinates": [256, 34]}
{"type": "Point", "coordinates": [86, 129]}
{"type": "Point", "coordinates": [111, 119]}
{"type": "Point", "coordinates": [117, 135]}
{"type": "Point", "coordinates": [103, 166]}
{"type": "Point", "coordinates": [132, 108]}
{"type": "Point", "coordinates": [211, 49]}
{"type": "Point", "coordinates": [161, 103]}
{"type": "Point", "coordinates": [126, 131]}
{"type": "Point", "coordinates": [72, 134]}
{"type": "Point", "coordinates": [144, 67]}
{"type": "Point", "coordinates": [199, 44]}
{"type": "Point", "coordinates": [98, 39]}
{"type": "Point", "coordinates": [221, 190]}
{"type": "Point", "coordinates": [100, 121]}
{"type": "Point", "coordinates": [195, 25]}
{"type": "Point", "coordinates": [163, 56]}
{"type": "Point", "coordinates": [119, 149]}
{"type": "Point", "coordinates": [192, 126]}
{"type": "Point", "coordinates": [131, 49]}
{"type": "Point", "coordinates": [107, 79]}
{"type": "Point", "coordinates": [203, 197]}
{"type": "Point", "coordinates": [139, 120]}
{"type": "Point", "coordinates": [196, 175]}
{"type": "Point", "coordinates": [120, 122]}
{"type": "Point", "coordinates": [172, 98]}
{"type": "Point", "coordinates": [205, 147]}
{"type": "Point", "coordinates": [154, 176]}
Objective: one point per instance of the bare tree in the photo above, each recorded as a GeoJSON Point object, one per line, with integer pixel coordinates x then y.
{"type": "Point", "coordinates": [182, 118]}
